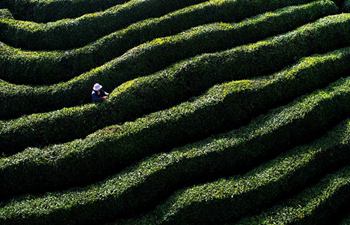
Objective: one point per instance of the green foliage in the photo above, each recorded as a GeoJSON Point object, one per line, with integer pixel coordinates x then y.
{"type": "Point", "coordinates": [200, 127]}
{"type": "Point", "coordinates": [26, 67]}
{"type": "Point", "coordinates": [17, 100]}
{"type": "Point", "coordinates": [50, 10]}
{"type": "Point", "coordinates": [223, 107]}
{"type": "Point", "coordinates": [4, 13]}
{"type": "Point", "coordinates": [77, 32]}
{"type": "Point", "coordinates": [218, 201]}
{"type": "Point", "coordinates": [175, 84]}
{"type": "Point", "coordinates": [316, 205]}
{"type": "Point", "coordinates": [228, 199]}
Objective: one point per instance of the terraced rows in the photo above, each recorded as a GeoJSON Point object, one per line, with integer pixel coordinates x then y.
{"type": "Point", "coordinates": [220, 112]}
{"type": "Point", "coordinates": [69, 33]}
{"type": "Point", "coordinates": [46, 11]}
{"type": "Point", "coordinates": [125, 101]}
{"type": "Point", "coordinates": [29, 100]}
{"type": "Point", "coordinates": [34, 67]}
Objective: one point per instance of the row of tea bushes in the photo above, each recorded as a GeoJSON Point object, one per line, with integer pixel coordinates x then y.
{"type": "Point", "coordinates": [174, 85]}
{"type": "Point", "coordinates": [210, 203]}
{"type": "Point", "coordinates": [23, 67]}
{"type": "Point", "coordinates": [45, 10]}
{"type": "Point", "coordinates": [113, 148]}
{"type": "Point", "coordinates": [77, 32]}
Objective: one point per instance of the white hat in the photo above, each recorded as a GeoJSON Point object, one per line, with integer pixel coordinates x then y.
{"type": "Point", "coordinates": [97, 87]}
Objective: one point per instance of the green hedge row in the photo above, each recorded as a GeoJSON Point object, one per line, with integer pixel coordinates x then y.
{"type": "Point", "coordinates": [138, 186]}
{"type": "Point", "coordinates": [174, 85]}
{"type": "Point", "coordinates": [316, 205]}
{"type": "Point", "coordinates": [229, 199]}
{"type": "Point", "coordinates": [72, 33]}
{"type": "Point", "coordinates": [18, 100]}
{"type": "Point", "coordinates": [223, 107]}
{"type": "Point", "coordinates": [23, 67]}
{"type": "Point", "coordinates": [5, 13]}
{"type": "Point", "coordinates": [47, 10]}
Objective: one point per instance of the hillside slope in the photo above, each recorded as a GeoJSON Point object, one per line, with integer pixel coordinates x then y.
{"type": "Point", "coordinates": [219, 112]}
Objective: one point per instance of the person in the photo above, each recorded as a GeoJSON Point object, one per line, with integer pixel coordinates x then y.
{"type": "Point", "coordinates": [98, 95]}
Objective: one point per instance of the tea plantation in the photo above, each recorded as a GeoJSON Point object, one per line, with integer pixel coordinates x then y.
{"type": "Point", "coordinates": [220, 112]}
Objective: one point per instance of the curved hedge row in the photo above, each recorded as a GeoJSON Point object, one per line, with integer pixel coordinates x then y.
{"type": "Point", "coordinates": [222, 107]}
{"type": "Point", "coordinates": [316, 205]}
{"type": "Point", "coordinates": [45, 10]}
{"type": "Point", "coordinates": [18, 100]}
{"type": "Point", "coordinates": [23, 67]}
{"type": "Point", "coordinates": [72, 33]}
{"type": "Point", "coordinates": [121, 194]}
{"type": "Point", "coordinates": [229, 199]}
{"type": "Point", "coordinates": [174, 85]}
